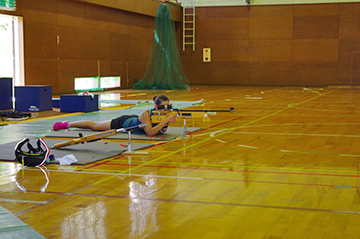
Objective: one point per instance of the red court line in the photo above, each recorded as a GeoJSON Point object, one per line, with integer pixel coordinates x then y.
{"type": "Point", "coordinates": [194, 202]}
{"type": "Point", "coordinates": [271, 182]}
{"type": "Point", "coordinates": [101, 163]}
{"type": "Point", "coordinates": [284, 146]}
{"type": "Point", "coordinates": [237, 171]}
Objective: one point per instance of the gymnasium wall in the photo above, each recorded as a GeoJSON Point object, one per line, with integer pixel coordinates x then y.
{"type": "Point", "coordinates": [311, 45]}
{"type": "Point", "coordinates": [64, 39]}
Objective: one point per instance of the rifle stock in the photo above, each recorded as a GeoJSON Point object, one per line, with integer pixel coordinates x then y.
{"type": "Point", "coordinates": [96, 136]}
{"type": "Point", "coordinates": [158, 116]}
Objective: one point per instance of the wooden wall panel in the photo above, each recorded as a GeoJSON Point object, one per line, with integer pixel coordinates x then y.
{"type": "Point", "coordinates": [218, 73]}
{"type": "Point", "coordinates": [349, 9]}
{"type": "Point", "coordinates": [83, 44]}
{"type": "Point", "coordinates": [226, 12]}
{"type": "Point", "coordinates": [97, 18]}
{"type": "Point", "coordinates": [347, 49]}
{"type": "Point", "coordinates": [136, 70]}
{"type": "Point", "coordinates": [42, 71]}
{"type": "Point", "coordinates": [270, 73]}
{"type": "Point", "coordinates": [142, 25]}
{"type": "Point", "coordinates": [224, 28]}
{"type": "Point", "coordinates": [307, 74]}
{"type": "Point", "coordinates": [316, 10]}
{"type": "Point", "coordinates": [108, 3]}
{"type": "Point", "coordinates": [270, 50]}
{"type": "Point", "coordinates": [355, 68]}
{"type": "Point", "coordinates": [313, 27]}
{"type": "Point", "coordinates": [201, 13]}
{"type": "Point", "coordinates": [40, 41]}
{"type": "Point", "coordinates": [239, 50]}
{"type": "Point", "coordinates": [270, 11]}
{"type": "Point", "coordinates": [199, 72]}
{"type": "Point", "coordinates": [71, 14]}
{"type": "Point", "coordinates": [119, 23]}
{"type": "Point", "coordinates": [236, 73]}
{"type": "Point", "coordinates": [312, 44]}
{"type": "Point", "coordinates": [317, 50]}
{"type": "Point", "coordinates": [349, 26]}
{"type": "Point", "coordinates": [39, 11]}
{"type": "Point", "coordinates": [120, 47]}
{"type": "Point", "coordinates": [271, 28]}
{"type": "Point", "coordinates": [140, 48]}
{"type": "Point", "coordinates": [146, 7]}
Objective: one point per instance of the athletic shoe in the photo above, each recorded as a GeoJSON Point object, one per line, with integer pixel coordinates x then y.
{"type": "Point", "coordinates": [15, 116]}
{"type": "Point", "coordinates": [61, 125]}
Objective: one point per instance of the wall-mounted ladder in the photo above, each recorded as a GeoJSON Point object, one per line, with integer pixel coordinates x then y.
{"type": "Point", "coordinates": [188, 23]}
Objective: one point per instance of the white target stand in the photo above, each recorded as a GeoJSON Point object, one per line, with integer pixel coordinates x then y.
{"type": "Point", "coordinates": [129, 149]}
{"type": "Point", "coordinates": [185, 133]}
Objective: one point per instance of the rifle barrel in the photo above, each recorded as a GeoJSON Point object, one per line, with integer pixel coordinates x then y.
{"type": "Point", "coordinates": [231, 110]}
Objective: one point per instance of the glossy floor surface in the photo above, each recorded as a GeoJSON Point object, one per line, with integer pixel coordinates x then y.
{"type": "Point", "coordinates": [285, 164]}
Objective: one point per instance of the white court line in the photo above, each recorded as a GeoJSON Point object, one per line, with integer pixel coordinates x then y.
{"type": "Point", "coordinates": [300, 134]}
{"type": "Point", "coordinates": [221, 141]}
{"type": "Point", "coordinates": [349, 155]}
{"type": "Point", "coordinates": [213, 133]}
{"type": "Point", "coordinates": [291, 134]}
{"type": "Point", "coordinates": [248, 146]}
{"type": "Point", "coordinates": [22, 201]}
{"type": "Point", "coordinates": [300, 124]}
{"type": "Point", "coordinates": [252, 98]}
{"type": "Point", "coordinates": [123, 174]}
{"type": "Point", "coordinates": [291, 151]}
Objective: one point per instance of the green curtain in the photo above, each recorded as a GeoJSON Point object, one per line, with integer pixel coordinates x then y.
{"type": "Point", "coordinates": [9, 5]}
{"type": "Point", "coordinates": [164, 69]}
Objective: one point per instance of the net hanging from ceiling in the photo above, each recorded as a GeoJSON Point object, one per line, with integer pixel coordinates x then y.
{"type": "Point", "coordinates": [164, 69]}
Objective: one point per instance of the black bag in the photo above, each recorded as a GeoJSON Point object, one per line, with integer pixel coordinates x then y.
{"type": "Point", "coordinates": [34, 156]}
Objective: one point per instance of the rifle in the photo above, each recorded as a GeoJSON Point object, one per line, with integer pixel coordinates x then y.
{"type": "Point", "coordinates": [96, 136]}
{"type": "Point", "coordinates": [158, 116]}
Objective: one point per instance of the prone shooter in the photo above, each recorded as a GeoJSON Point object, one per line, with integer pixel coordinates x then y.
{"type": "Point", "coordinates": [158, 116]}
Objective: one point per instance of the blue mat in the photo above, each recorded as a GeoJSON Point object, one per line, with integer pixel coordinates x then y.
{"type": "Point", "coordinates": [12, 227]}
{"type": "Point", "coordinates": [42, 128]}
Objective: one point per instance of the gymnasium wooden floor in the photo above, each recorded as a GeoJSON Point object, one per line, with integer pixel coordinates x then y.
{"type": "Point", "coordinates": [284, 165]}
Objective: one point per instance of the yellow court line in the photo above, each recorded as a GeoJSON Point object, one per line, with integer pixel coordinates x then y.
{"type": "Point", "coordinates": [40, 118]}
{"type": "Point", "coordinates": [104, 179]}
{"type": "Point", "coordinates": [116, 108]}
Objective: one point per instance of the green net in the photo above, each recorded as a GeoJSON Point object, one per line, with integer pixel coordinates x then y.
{"type": "Point", "coordinates": [164, 69]}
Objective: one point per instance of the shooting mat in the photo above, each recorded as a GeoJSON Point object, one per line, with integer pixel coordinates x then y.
{"type": "Point", "coordinates": [171, 133]}
{"type": "Point", "coordinates": [85, 153]}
